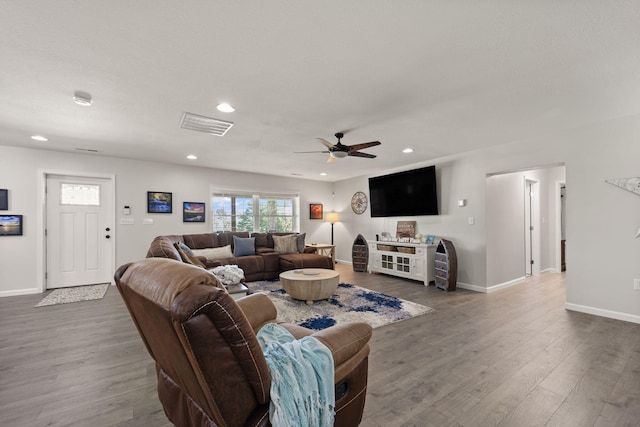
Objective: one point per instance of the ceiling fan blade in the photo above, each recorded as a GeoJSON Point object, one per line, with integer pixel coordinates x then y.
{"type": "Point", "coordinates": [326, 152]}
{"type": "Point", "coordinates": [356, 147]}
{"type": "Point", "coordinates": [359, 154]}
{"type": "Point", "coordinates": [331, 159]}
{"type": "Point", "coordinates": [325, 142]}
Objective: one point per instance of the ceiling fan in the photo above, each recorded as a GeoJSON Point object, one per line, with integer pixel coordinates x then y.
{"type": "Point", "coordinates": [339, 150]}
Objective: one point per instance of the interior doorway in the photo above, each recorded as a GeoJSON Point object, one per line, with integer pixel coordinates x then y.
{"type": "Point", "coordinates": [79, 230]}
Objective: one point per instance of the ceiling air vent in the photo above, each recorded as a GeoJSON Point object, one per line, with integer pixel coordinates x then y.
{"type": "Point", "coordinates": [204, 124]}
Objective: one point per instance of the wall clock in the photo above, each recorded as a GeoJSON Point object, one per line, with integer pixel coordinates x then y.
{"type": "Point", "coordinates": [359, 202]}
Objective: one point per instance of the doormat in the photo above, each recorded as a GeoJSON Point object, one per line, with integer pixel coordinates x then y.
{"type": "Point", "coordinates": [75, 294]}
{"type": "Point", "coordinates": [349, 303]}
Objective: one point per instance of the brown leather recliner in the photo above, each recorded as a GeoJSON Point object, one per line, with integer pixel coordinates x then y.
{"type": "Point", "coordinates": [211, 369]}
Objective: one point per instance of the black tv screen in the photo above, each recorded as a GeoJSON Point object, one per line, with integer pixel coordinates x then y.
{"type": "Point", "coordinates": [408, 193]}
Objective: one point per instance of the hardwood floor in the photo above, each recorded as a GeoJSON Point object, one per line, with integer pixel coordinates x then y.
{"type": "Point", "coordinates": [515, 357]}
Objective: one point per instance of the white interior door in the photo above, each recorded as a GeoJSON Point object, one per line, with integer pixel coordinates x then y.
{"type": "Point", "coordinates": [79, 231]}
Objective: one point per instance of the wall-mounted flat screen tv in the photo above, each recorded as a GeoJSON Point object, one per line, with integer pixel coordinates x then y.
{"type": "Point", "coordinates": [408, 193]}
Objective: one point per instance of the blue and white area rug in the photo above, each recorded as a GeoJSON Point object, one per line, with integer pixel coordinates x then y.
{"type": "Point", "coordinates": [349, 303]}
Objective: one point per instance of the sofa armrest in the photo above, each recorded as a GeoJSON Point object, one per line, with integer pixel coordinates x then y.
{"type": "Point", "coordinates": [345, 340]}
{"type": "Point", "coordinates": [258, 309]}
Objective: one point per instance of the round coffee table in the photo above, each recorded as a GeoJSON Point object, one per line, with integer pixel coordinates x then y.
{"type": "Point", "coordinates": [310, 284]}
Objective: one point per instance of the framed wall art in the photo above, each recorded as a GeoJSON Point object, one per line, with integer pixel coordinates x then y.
{"type": "Point", "coordinates": [315, 211]}
{"type": "Point", "coordinates": [4, 200]}
{"type": "Point", "coordinates": [159, 202]}
{"type": "Point", "coordinates": [193, 212]}
{"type": "Point", "coordinates": [10, 225]}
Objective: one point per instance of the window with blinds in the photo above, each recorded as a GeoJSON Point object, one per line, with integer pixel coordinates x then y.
{"type": "Point", "coordinates": [255, 212]}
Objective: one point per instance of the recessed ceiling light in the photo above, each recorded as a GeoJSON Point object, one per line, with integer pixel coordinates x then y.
{"type": "Point", "coordinates": [225, 108]}
{"type": "Point", "coordinates": [39, 138]}
{"type": "Point", "coordinates": [323, 174]}
{"type": "Point", "coordinates": [82, 98]}
{"type": "Point", "coordinates": [192, 157]}
{"type": "Point", "coordinates": [407, 150]}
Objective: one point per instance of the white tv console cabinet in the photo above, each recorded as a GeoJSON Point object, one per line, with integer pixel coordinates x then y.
{"type": "Point", "coordinates": [409, 260]}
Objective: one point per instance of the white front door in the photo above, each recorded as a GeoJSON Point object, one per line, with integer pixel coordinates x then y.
{"type": "Point", "coordinates": [79, 231]}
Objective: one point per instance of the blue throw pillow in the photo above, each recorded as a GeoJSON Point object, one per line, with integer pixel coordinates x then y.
{"type": "Point", "coordinates": [243, 246]}
{"type": "Point", "coordinates": [185, 248]}
{"type": "Point", "coordinates": [300, 242]}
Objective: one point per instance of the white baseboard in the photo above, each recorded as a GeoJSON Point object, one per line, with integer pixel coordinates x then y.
{"type": "Point", "coordinates": [18, 292]}
{"type": "Point", "coordinates": [469, 287]}
{"type": "Point", "coordinates": [602, 312]}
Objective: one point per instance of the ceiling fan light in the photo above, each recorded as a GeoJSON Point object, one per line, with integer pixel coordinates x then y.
{"type": "Point", "coordinates": [338, 154]}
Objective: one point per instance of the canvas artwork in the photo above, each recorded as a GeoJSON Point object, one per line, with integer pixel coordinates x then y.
{"type": "Point", "coordinates": [4, 200]}
{"type": "Point", "coordinates": [193, 212]}
{"type": "Point", "coordinates": [10, 225]}
{"type": "Point", "coordinates": [159, 202]}
{"type": "Point", "coordinates": [315, 211]}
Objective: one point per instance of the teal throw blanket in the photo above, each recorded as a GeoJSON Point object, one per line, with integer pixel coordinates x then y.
{"type": "Point", "coordinates": [302, 389]}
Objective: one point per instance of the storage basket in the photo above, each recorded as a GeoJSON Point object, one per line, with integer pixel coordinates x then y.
{"type": "Point", "coordinates": [406, 250]}
{"type": "Point", "coordinates": [387, 248]}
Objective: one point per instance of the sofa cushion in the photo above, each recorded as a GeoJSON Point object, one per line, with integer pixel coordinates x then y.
{"type": "Point", "coordinates": [243, 246]}
{"type": "Point", "coordinates": [261, 240]}
{"type": "Point", "coordinates": [295, 261]}
{"type": "Point", "coordinates": [201, 241]}
{"type": "Point", "coordinates": [285, 244]}
{"type": "Point", "coordinates": [214, 253]}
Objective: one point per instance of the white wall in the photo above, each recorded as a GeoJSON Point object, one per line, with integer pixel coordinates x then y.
{"type": "Point", "coordinates": [459, 177]}
{"type": "Point", "coordinates": [21, 172]}
{"type": "Point", "coordinates": [603, 257]}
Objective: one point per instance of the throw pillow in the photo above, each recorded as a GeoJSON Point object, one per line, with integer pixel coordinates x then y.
{"type": "Point", "coordinates": [214, 253]}
{"type": "Point", "coordinates": [300, 242]}
{"type": "Point", "coordinates": [185, 248]}
{"type": "Point", "coordinates": [186, 258]}
{"type": "Point", "coordinates": [286, 244]}
{"type": "Point", "coordinates": [243, 246]}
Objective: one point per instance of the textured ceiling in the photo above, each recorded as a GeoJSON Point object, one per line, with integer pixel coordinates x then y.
{"type": "Point", "coordinates": [441, 77]}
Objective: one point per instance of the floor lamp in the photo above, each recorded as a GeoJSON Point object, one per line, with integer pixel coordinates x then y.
{"type": "Point", "coordinates": [332, 217]}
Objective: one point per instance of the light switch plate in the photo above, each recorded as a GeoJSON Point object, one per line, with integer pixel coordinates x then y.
{"type": "Point", "coordinates": [147, 221]}
{"type": "Point", "coordinates": [127, 221]}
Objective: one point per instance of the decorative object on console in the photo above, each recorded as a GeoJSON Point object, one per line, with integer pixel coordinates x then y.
{"type": "Point", "coordinates": [406, 229]}
{"type": "Point", "coordinates": [10, 225]}
{"type": "Point", "coordinates": [430, 240]}
{"type": "Point", "coordinates": [332, 217]}
{"type": "Point", "coordinates": [359, 202]}
{"type": "Point", "coordinates": [446, 266]}
{"type": "Point", "coordinates": [360, 254]}
{"type": "Point", "coordinates": [4, 200]}
{"type": "Point", "coordinates": [159, 202]}
{"type": "Point", "coordinates": [315, 210]}
{"type": "Point", "coordinates": [193, 212]}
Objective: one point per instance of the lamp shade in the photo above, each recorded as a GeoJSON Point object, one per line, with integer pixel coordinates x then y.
{"type": "Point", "coordinates": [332, 217]}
